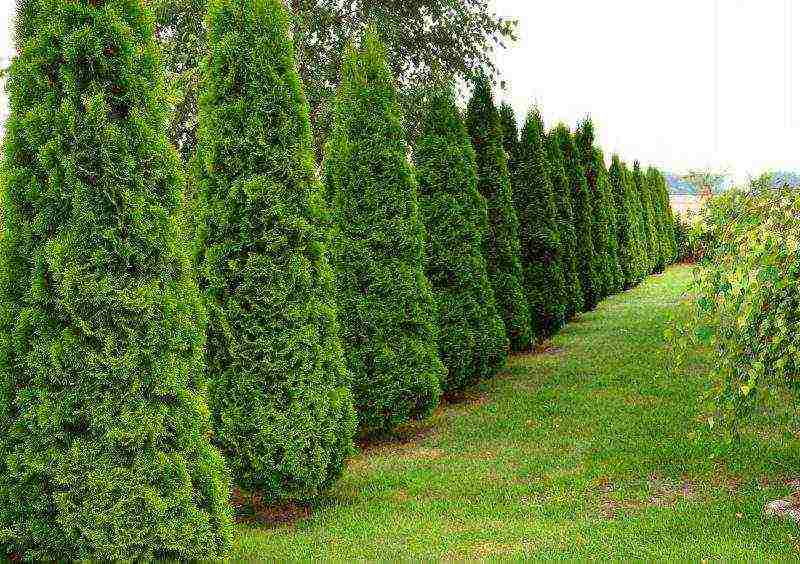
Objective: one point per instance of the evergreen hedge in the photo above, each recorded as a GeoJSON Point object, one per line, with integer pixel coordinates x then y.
{"type": "Point", "coordinates": [511, 133]}
{"type": "Point", "coordinates": [588, 264]}
{"type": "Point", "coordinates": [494, 183]}
{"type": "Point", "coordinates": [386, 304]}
{"type": "Point", "coordinates": [282, 409]}
{"type": "Point", "coordinates": [641, 270]}
{"type": "Point", "coordinates": [652, 179]}
{"type": "Point", "coordinates": [535, 201]}
{"type": "Point", "coordinates": [472, 339]}
{"type": "Point", "coordinates": [617, 278]}
{"type": "Point", "coordinates": [648, 219]}
{"type": "Point", "coordinates": [562, 192]}
{"type": "Point", "coordinates": [626, 222]}
{"type": "Point", "coordinates": [104, 426]}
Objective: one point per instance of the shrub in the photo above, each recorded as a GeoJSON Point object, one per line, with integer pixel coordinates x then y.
{"type": "Point", "coordinates": [282, 409]}
{"type": "Point", "coordinates": [627, 222]}
{"type": "Point", "coordinates": [573, 292]}
{"type": "Point", "coordinates": [647, 220]}
{"type": "Point", "coordinates": [104, 448]}
{"type": "Point", "coordinates": [588, 269]}
{"type": "Point", "coordinates": [652, 182]}
{"type": "Point", "coordinates": [535, 202]}
{"type": "Point", "coordinates": [472, 339]}
{"type": "Point", "coordinates": [386, 304]}
{"type": "Point", "coordinates": [746, 301]}
{"type": "Point", "coordinates": [494, 184]}
{"type": "Point", "coordinates": [638, 220]}
{"type": "Point", "coordinates": [603, 221]}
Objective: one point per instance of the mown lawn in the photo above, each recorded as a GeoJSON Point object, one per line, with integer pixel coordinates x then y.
{"type": "Point", "coordinates": [593, 449]}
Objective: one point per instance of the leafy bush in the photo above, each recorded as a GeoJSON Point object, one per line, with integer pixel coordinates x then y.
{"type": "Point", "coordinates": [282, 409]}
{"type": "Point", "coordinates": [535, 202]}
{"type": "Point", "coordinates": [588, 267]}
{"type": "Point", "coordinates": [104, 426]}
{"type": "Point", "coordinates": [747, 299]}
{"type": "Point", "coordinates": [494, 184]}
{"type": "Point", "coordinates": [386, 304]}
{"type": "Point", "coordinates": [562, 192]}
{"type": "Point", "coordinates": [472, 338]}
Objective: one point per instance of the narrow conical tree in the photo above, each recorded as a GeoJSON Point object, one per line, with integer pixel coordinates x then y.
{"type": "Point", "coordinates": [617, 279]}
{"type": "Point", "coordinates": [508, 123]}
{"type": "Point", "coordinates": [626, 222]}
{"type": "Point", "coordinates": [535, 201]}
{"type": "Point", "coordinates": [282, 408]}
{"type": "Point", "coordinates": [641, 233]}
{"type": "Point", "coordinates": [648, 221]}
{"type": "Point", "coordinates": [652, 179]}
{"type": "Point", "coordinates": [472, 338]}
{"type": "Point", "coordinates": [494, 183]}
{"type": "Point", "coordinates": [562, 192]}
{"type": "Point", "coordinates": [104, 428]}
{"type": "Point", "coordinates": [672, 244]}
{"type": "Point", "coordinates": [595, 169]}
{"type": "Point", "coordinates": [386, 303]}
{"type": "Point", "coordinates": [588, 269]}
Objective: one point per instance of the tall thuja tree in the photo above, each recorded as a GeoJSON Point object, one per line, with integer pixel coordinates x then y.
{"type": "Point", "coordinates": [595, 169]}
{"type": "Point", "coordinates": [535, 202]}
{"type": "Point", "coordinates": [281, 404]}
{"type": "Point", "coordinates": [573, 292]}
{"type": "Point", "coordinates": [472, 338]}
{"type": "Point", "coordinates": [648, 219]}
{"type": "Point", "coordinates": [386, 303]}
{"type": "Point", "coordinates": [617, 278]}
{"type": "Point", "coordinates": [503, 246]}
{"type": "Point", "coordinates": [638, 217]}
{"type": "Point", "coordinates": [588, 267]}
{"type": "Point", "coordinates": [659, 239]}
{"type": "Point", "coordinates": [627, 223]}
{"type": "Point", "coordinates": [511, 141]}
{"type": "Point", "coordinates": [104, 427]}
{"type": "Point", "coordinates": [669, 219]}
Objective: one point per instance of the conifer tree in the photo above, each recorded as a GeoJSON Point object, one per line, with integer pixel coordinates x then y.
{"type": "Point", "coordinates": [386, 303]}
{"type": "Point", "coordinates": [602, 225]}
{"type": "Point", "coordinates": [617, 278]}
{"type": "Point", "coordinates": [503, 245]}
{"type": "Point", "coordinates": [652, 179]}
{"type": "Point", "coordinates": [573, 292]}
{"type": "Point", "coordinates": [104, 427]}
{"type": "Point", "coordinates": [511, 141]}
{"type": "Point", "coordinates": [672, 244]}
{"type": "Point", "coordinates": [535, 201]}
{"type": "Point", "coordinates": [472, 337]}
{"type": "Point", "coordinates": [641, 235]}
{"type": "Point", "coordinates": [280, 394]}
{"type": "Point", "coordinates": [626, 222]}
{"type": "Point", "coordinates": [648, 220]}
{"type": "Point", "coordinates": [588, 269]}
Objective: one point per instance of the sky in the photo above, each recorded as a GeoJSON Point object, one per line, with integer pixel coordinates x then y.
{"type": "Point", "coordinates": [681, 85]}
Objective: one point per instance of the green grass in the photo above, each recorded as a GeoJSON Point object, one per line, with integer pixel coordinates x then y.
{"type": "Point", "coordinates": [596, 449]}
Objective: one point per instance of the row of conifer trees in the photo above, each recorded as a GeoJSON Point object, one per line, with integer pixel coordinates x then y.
{"type": "Point", "coordinates": [149, 355]}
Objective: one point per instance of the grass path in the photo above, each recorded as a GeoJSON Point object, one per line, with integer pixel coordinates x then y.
{"type": "Point", "coordinates": [595, 449]}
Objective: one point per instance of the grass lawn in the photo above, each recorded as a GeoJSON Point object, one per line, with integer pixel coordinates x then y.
{"type": "Point", "coordinates": [593, 449]}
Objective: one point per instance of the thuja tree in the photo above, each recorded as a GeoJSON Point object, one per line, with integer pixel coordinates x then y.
{"type": "Point", "coordinates": [535, 201]}
{"type": "Point", "coordinates": [669, 218]}
{"type": "Point", "coordinates": [511, 141]}
{"type": "Point", "coordinates": [648, 219]}
{"type": "Point", "coordinates": [472, 339]}
{"type": "Point", "coordinates": [503, 246]}
{"type": "Point", "coordinates": [588, 268]}
{"type": "Point", "coordinates": [104, 427]}
{"type": "Point", "coordinates": [386, 303]}
{"type": "Point", "coordinates": [638, 220]}
{"type": "Point", "coordinates": [562, 193]}
{"type": "Point", "coordinates": [626, 222]}
{"type": "Point", "coordinates": [652, 179]}
{"type": "Point", "coordinates": [617, 279]}
{"type": "Point", "coordinates": [595, 170]}
{"type": "Point", "coordinates": [282, 408]}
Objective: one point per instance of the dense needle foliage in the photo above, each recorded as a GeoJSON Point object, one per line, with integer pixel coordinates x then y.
{"type": "Point", "coordinates": [472, 340]}
{"type": "Point", "coordinates": [104, 425]}
{"type": "Point", "coordinates": [282, 408]}
{"type": "Point", "coordinates": [386, 304]}
{"type": "Point", "coordinates": [494, 183]}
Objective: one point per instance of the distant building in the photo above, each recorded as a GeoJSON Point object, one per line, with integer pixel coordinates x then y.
{"type": "Point", "coordinates": [685, 198]}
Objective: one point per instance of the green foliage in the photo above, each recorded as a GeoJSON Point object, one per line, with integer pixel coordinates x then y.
{"type": "Point", "coordinates": [603, 220]}
{"type": "Point", "coordinates": [279, 388]}
{"type": "Point", "coordinates": [627, 222]}
{"type": "Point", "coordinates": [494, 183]}
{"type": "Point", "coordinates": [104, 425]}
{"type": "Point", "coordinates": [589, 271]}
{"type": "Point", "coordinates": [641, 271]}
{"type": "Point", "coordinates": [746, 300]}
{"type": "Point", "coordinates": [540, 237]}
{"type": "Point", "coordinates": [511, 141]}
{"type": "Point", "coordinates": [386, 304]}
{"type": "Point", "coordinates": [459, 35]}
{"type": "Point", "coordinates": [648, 222]}
{"type": "Point", "coordinates": [562, 192]}
{"type": "Point", "coordinates": [472, 339]}
{"type": "Point", "coordinates": [653, 184]}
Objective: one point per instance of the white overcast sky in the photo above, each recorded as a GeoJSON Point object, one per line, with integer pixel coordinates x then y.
{"type": "Point", "coordinates": [679, 84]}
